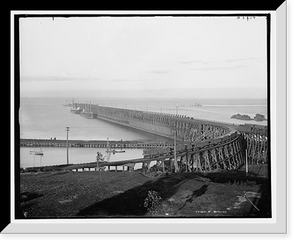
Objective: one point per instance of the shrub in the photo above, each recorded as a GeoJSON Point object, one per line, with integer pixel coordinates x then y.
{"type": "Point", "coordinates": [152, 201]}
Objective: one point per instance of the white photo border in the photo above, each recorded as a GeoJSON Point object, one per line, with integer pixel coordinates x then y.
{"type": "Point", "coordinates": [275, 225]}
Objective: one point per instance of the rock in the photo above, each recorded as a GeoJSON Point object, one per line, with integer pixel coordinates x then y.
{"type": "Point", "coordinates": [118, 191]}
{"type": "Point", "coordinates": [241, 117]}
{"type": "Point", "coordinates": [171, 200]}
{"type": "Point", "coordinates": [65, 201]}
{"type": "Point", "coordinates": [23, 197]}
{"type": "Point", "coordinates": [259, 117]}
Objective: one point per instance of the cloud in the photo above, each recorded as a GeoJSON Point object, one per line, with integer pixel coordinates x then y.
{"type": "Point", "coordinates": [241, 59]}
{"type": "Point", "coordinates": [198, 61]}
{"type": "Point", "coordinates": [236, 60]}
{"type": "Point", "coordinates": [47, 78]}
{"type": "Point", "coordinates": [123, 80]}
{"type": "Point", "coordinates": [237, 67]}
{"type": "Point", "coordinates": [160, 71]}
{"type": "Point", "coordinates": [116, 80]}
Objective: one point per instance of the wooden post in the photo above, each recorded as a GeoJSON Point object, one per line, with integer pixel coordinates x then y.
{"type": "Point", "coordinates": [246, 162]}
{"type": "Point", "coordinates": [199, 162]}
{"type": "Point", "coordinates": [175, 151]}
{"type": "Point", "coordinates": [187, 163]}
{"type": "Point", "coordinates": [67, 129]}
{"type": "Point", "coordinates": [196, 161]}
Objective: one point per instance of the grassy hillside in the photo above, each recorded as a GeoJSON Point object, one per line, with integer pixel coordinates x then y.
{"type": "Point", "coordinates": [131, 194]}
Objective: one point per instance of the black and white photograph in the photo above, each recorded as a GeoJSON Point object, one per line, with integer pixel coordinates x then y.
{"type": "Point", "coordinates": [143, 116]}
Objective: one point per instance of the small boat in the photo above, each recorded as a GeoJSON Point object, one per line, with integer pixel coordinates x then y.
{"type": "Point", "coordinates": [37, 152]}
{"type": "Point", "coordinates": [87, 111]}
{"type": "Point", "coordinates": [88, 114]}
{"type": "Point", "coordinates": [197, 104]}
{"type": "Point", "coordinates": [118, 151]}
{"type": "Point", "coordinates": [77, 110]}
{"type": "Point", "coordinates": [115, 151]}
{"type": "Point", "coordinates": [67, 104]}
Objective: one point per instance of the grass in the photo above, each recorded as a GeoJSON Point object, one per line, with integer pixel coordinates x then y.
{"type": "Point", "coordinates": [123, 194]}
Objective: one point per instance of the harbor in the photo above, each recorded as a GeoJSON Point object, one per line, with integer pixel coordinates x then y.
{"type": "Point", "coordinates": [190, 145]}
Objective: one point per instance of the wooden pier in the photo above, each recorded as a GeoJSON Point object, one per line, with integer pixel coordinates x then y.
{"type": "Point", "coordinates": [201, 145]}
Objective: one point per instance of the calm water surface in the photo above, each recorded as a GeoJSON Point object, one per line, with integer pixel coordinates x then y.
{"type": "Point", "coordinates": [55, 156]}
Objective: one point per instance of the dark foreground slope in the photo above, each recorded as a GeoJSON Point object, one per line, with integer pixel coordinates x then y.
{"type": "Point", "coordinates": [123, 194]}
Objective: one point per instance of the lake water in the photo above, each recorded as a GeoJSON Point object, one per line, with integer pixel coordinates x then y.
{"type": "Point", "coordinates": [54, 156]}
{"type": "Point", "coordinates": [45, 118]}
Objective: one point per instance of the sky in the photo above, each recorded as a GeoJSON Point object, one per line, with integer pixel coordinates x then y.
{"type": "Point", "coordinates": [209, 57]}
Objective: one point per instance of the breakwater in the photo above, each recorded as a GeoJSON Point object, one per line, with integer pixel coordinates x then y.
{"type": "Point", "coordinates": [92, 143]}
